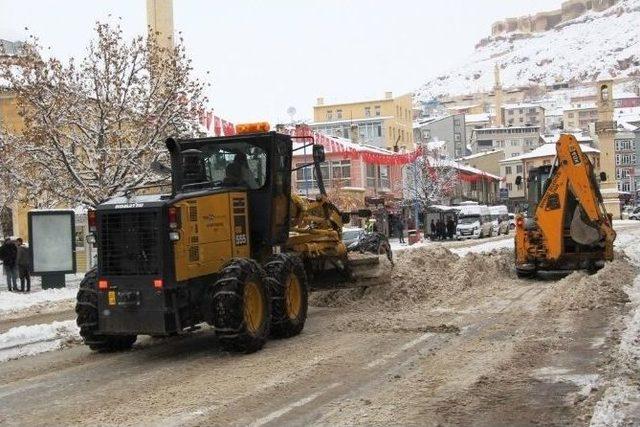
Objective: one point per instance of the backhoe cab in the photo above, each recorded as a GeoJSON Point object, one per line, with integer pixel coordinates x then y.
{"type": "Point", "coordinates": [568, 227]}
{"type": "Point", "coordinates": [230, 246]}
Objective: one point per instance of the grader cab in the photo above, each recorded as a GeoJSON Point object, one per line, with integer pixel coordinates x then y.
{"type": "Point", "coordinates": [230, 246]}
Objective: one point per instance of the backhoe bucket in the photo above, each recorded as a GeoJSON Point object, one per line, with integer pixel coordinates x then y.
{"type": "Point", "coordinates": [582, 231]}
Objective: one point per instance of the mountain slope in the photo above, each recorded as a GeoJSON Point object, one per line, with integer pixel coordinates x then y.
{"type": "Point", "coordinates": [594, 46]}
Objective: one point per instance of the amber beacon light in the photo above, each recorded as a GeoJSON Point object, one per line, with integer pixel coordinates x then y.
{"type": "Point", "coordinates": [258, 127]}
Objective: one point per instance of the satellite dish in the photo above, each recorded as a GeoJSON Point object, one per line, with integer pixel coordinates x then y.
{"type": "Point", "coordinates": [291, 111]}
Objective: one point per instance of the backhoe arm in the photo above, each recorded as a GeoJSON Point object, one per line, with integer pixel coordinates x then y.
{"type": "Point", "coordinates": [573, 172]}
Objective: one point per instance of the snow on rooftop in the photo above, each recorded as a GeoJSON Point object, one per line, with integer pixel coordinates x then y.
{"type": "Point", "coordinates": [547, 150]}
{"type": "Point", "coordinates": [336, 122]}
{"type": "Point", "coordinates": [476, 118]}
{"type": "Point", "coordinates": [480, 154]}
{"type": "Point", "coordinates": [523, 105]}
{"type": "Point", "coordinates": [553, 138]}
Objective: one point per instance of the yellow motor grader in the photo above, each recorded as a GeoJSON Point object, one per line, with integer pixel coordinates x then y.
{"type": "Point", "coordinates": [230, 246]}
{"type": "Point", "coordinates": [570, 228]}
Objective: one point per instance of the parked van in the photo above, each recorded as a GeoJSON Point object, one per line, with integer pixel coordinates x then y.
{"type": "Point", "coordinates": [474, 221]}
{"type": "Point", "coordinates": [499, 220]}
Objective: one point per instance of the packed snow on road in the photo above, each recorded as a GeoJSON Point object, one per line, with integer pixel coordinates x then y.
{"type": "Point", "coordinates": [452, 338]}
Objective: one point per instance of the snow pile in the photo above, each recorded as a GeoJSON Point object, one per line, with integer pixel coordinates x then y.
{"type": "Point", "coordinates": [11, 303]}
{"type": "Point", "coordinates": [30, 340]}
{"type": "Point", "coordinates": [595, 46]}
{"type": "Point", "coordinates": [431, 273]}
{"type": "Point", "coordinates": [581, 291]}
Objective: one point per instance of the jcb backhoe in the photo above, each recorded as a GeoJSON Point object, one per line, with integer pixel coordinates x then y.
{"type": "Point", "coordinates": [568, 228]}
{"type": "Point", "coordinates": [230, 246]}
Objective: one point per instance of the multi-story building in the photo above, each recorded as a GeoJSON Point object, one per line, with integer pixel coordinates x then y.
{"type": "Point", "coordinates": [488, 161]}
{"type": "Point", "coordinates": [385, 123]}
{"type": "Point", "coordinates": [450, 129]}
{"type": "Point", "coordinates": [348, 174]}
{"type": "Point", "coordinates": [514, 141]}
{"type": "Point", "coordinates": [579, 117]}
{"type": "Point", "coordinates": [513, 167]}
{"type": "Point", "coordinates": [626, 158]}
{"type": "Point", "coordinates": [523, 115]}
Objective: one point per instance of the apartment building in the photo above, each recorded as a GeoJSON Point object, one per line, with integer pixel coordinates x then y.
{"type": "Point", "coordinates": [488, 161]}
{"type": "Point", "coordinates": [626, 141]}
{"type": "Point", "coordinates": [514, 141]}
{"type": "Point", "coordinates": [523, 115]}
{"type": "Point", "coordinates": [449, 129]}
{"type": "Point", "coordinates": [579, 117]}
{"type": "Point", "coordinates": [385, 123]}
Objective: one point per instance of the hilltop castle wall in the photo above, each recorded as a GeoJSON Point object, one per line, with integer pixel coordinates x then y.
{"type": "Point", "coordinates": [544, 21]}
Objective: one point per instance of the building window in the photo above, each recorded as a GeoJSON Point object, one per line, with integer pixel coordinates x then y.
{"type": "Point", "coordinates": [456, 122]}
{"type": "Point", "coordinates": [515, 154]}
{"type": "Point", "coordinates": [507, 170]}
{"type": "Point", "coordinates": [367, 111]}
{"type": "Point", "coordinates": [341, 172]}
{"type": "Point", "coordinates": [384, 177]}
{"type": "Point", "coordinates": [376, 110]}
{"type": "Point", "coordinates": [570, 115]}
{"type": "Point", "coordinates": [456, 137]}
{"type": "Point", "coordinates": [339, 114]}
{"type": "Point", "coordinates": [329, 115]}
{"type": "Point", "coordinates": [379, 130]}
{"type": "Point", "coordinates": [509, 186]}
{"type": "Point", "coordinates": [306, 177]}
{"type": "Point", "coordinates": [371, 176]}
{"type": "Point", "coordinates": [518, 168]}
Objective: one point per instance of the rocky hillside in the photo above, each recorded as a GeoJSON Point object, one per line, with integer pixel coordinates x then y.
{"type": "Point", "coordinates": [594, 46]}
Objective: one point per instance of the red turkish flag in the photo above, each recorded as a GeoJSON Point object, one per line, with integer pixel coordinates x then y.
{"type": "Point", "coordinates": [217, 126]}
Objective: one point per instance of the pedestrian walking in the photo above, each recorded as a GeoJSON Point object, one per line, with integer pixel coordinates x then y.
{"type": "Point", "coordinates": [400, 229]}
{"type": "Point", "coordinates": [23, 261]}
{"type": "Point", "coordinates": [8, 255]}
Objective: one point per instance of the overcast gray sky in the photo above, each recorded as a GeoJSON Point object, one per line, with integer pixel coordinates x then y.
{"type": "Point", "coordinates": [265, 56]}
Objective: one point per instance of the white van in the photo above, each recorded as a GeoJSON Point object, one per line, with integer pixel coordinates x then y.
{"type": "Point", "coordinates": [499, 220]}
{"type": "Point", "coordinates": [474, 221]}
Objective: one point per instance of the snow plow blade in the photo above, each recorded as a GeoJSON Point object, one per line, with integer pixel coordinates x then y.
{"type": "Point", "coordinates": [362, 271]}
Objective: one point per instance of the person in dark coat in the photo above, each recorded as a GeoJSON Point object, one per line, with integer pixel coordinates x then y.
{"type": "Point", "coordinates": [8, 255]}
{"type": "Point", "coordinates": [451, 228]}
{"type": "Point", "coordinates": [440, 229]}
{"type": "Point", "coordinates": [433, 230]}
{"type": "Point", "coordinates": [400, 229]}
{"type": "Point", "coordinates": [23, 261]}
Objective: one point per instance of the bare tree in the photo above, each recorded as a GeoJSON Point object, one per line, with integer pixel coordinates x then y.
{"type": "Point", "coordinates": [429, 180]}
{"type": "Point", "coordinates": [92, 128]}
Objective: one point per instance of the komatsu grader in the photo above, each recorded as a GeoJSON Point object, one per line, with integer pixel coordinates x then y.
{"type": "Point", "coordinates": [230, 246]}
{"type": "Point", "coordinates": [570, 228]}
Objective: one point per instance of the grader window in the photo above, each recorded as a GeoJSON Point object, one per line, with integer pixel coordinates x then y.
{"type": "Point", "coordinates": [237, 164]}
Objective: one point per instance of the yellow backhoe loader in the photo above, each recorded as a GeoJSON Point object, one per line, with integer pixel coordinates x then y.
{"type": "Point", "coordinates": [568, 227]}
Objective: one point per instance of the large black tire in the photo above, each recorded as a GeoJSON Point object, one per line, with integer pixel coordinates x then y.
{"type": "Point", "coordinates": [87, 319]}
{"type": "Point", "coordinates": [241, 306]}
{"type": "Point", "coordinates": [525, 274]}
{"type": "Point", "coordinates": [289, 295]}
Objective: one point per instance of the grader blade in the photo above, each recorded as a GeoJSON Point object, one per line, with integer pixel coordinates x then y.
{"type": "Point", "coordinates": [361, 271]}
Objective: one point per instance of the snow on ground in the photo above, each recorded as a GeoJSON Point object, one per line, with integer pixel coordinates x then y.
{"type": "Point", "coordinates": [592, 47]}
{"type": "Point", "coordinates": [622, 398]}
{"type": "Point", "coordinates": [30, 340]}
{"type": "Point", "coordinates": [14, 303]}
